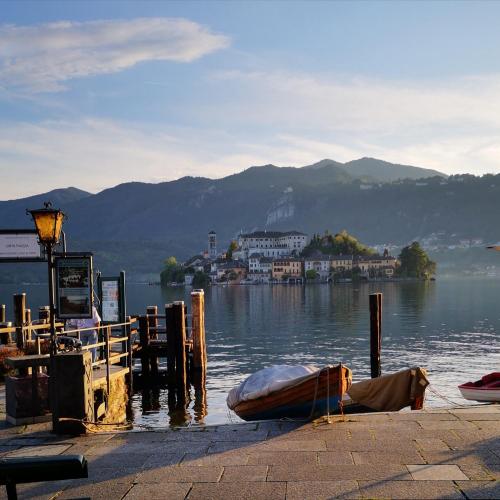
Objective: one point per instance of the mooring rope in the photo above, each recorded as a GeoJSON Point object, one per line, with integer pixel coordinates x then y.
{"type": "Point", "coordinates": [432, 389]}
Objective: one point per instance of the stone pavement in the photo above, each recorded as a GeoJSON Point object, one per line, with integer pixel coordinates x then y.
{"type": "Point", "coordinates": [426, 454]}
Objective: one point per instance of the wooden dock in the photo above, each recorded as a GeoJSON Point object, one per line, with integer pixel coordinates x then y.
{"type": "Point", "coordinates": [101, 387]}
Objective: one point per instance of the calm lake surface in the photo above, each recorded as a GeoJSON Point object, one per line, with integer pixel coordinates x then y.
{"type": "Point", "coordinates": [451, 327]}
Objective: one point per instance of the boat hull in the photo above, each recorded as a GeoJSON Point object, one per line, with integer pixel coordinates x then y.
{"type": "Point", "coordinates": [311, 398]}
{"type": "Point", "coordinates": [484, 395]}
{"type": "Point", "coordinates": [486, 390]}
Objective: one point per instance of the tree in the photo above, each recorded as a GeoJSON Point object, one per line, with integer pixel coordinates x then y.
{"type": "Point", "coordinates": [311, 274]}
{"type": "Point", "coordinates": [172, 271]}
{"type": "Point", "coordinates": [201, 280]}
{"type": "Point", "coordinates": [415, 263]}
{"type": "Point", "coordinates": [341, 244]}
{"type": "Point", "coordinates": [230, 249]}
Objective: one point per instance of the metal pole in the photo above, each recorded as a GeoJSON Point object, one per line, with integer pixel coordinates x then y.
{"type": "Point", "coordinates": [53, 343]}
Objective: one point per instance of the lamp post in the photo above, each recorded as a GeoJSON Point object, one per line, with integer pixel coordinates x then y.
{"type": "Point", "coordinates": [48, 223]}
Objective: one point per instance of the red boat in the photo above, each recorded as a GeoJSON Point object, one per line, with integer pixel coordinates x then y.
{"type": "Point", "coordinates": [487, 389]}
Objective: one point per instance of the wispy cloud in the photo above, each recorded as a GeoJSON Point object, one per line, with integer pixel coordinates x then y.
{"type": "Point", "coordinates": [364, 104]}
{"type": "Point", "coordinates": [43, 57]}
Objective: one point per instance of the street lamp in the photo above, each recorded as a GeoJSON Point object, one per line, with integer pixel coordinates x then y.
{"type": "Point", "coordinates": [48, 223]}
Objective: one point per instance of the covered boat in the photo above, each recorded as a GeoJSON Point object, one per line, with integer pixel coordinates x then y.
{"type": "Point", "coordinates": [283, 391]}
{"type": "Point", "coordinates": [391, 392]}
{"type": "Point", "coordinates": [487, 389]}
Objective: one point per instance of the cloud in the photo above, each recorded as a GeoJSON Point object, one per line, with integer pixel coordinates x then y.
{"type": "Point", "coordinates": [339, 103]}
{"type": "Point", "coordinates": [43, 57]}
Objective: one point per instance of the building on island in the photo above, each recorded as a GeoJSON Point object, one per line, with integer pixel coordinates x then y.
{"type": "Point", "coordinates": [212, 245]}
{"type": "Point", "coordinates": [320, 263]}
{"type": "Point", "coordinates": [274, 244]}
{"type": "Point", "coordinates": [287, 269]}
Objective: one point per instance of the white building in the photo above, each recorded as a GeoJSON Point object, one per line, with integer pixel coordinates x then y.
{"type": "Point", "coordinates": [271, 243]}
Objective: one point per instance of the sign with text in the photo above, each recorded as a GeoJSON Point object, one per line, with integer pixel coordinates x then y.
{"type": "Point", "coordinates": [74, 286]}
{"type": "Point", "coordinates": [19, 245]}
{"type": "Point", "coordinates": [112, 298]}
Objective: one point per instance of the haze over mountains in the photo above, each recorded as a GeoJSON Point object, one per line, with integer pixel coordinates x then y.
{"type": "Point", "coordinates": [134, 226]}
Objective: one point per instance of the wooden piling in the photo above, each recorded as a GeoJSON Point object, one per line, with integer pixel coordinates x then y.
{"type": "Point", "coordinates": [375, 333]}
{"type": "Point", "coordinates": [44, 313]}
{"type": "Point", "coordinates": [130, 359]}
{"type": "Point", "coordinates": [19, 318]}
{"type": "Point", "coordinates": [144, 340]}
{"type": "Point", "coordinates": [180, 349]}
{"type": "Point", "coordinates": [152, 313]}
{"type": "Point", "coordinates": [28, 324]}
{"type": "Point", "coordinates": [2, 313]}
{"type": "Point", "coordinates": [170, 329]}
{"type": "Point", "coordinates": [198, 329]}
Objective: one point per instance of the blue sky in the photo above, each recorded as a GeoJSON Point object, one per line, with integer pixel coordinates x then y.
{"type": "Point", "coordinates": [93, 94]}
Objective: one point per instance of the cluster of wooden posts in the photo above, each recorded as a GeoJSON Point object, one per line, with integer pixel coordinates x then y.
{"type": "Point", "coordinates": [25, 332]}
{"type": "Point", "coordinates": [181, 342]}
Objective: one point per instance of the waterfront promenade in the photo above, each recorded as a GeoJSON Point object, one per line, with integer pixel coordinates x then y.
{"type": "Point", "coordinates": [451, 453]}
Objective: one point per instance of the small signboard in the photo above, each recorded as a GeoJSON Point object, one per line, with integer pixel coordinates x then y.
{"type": "Point", "coordinates": [20, 245]}
{"type": "Point", "coordinates": [112, 298]}
{"type": "Point", "coordinates": [73, 276]}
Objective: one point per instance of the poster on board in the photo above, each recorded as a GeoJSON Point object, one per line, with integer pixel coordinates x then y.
{"type": "Point", "coordinates": [110, 300]}
{"type": "Point", "coordinates": [74, 286]}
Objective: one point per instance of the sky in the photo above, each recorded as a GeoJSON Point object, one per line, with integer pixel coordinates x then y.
{"type": "Point", "coordinates": [94, 94]}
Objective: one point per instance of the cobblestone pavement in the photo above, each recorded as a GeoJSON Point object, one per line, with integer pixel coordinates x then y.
{"type": "Point", "coordinates": [451, 453]}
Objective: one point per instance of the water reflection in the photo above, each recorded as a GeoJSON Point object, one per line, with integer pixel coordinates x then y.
{"type": "Point", "coordinates": [450, 326]}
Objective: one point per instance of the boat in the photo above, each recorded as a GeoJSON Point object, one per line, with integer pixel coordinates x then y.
{"type": "Point", "coordinates": [283, 391]}
{"type": "Point", "coordinates": [391, 392]}
{"type": "Point", "coordinates": [486, 390]}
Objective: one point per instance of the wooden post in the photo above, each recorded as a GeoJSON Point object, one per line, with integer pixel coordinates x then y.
{"type": "Point", "coordinates": [170, 329]}
{"type": "Point", "coordinates": [180, 349]}
{"type": "Point", "coordinates": [130, 360]}
{"type": "Point", "coordinates": [198, 329]}
{"type": "Point", "coordinates": [19, 318]}
{"type": "Point", "coordinates": [144, 341]}
{"type": "Point", "coordinates": [44, 313]}
{"type": "Point", "coordinates": [107, 335]}
{"type": "Point", "coordinates": [2, 313]}
{"type": "Point", "coordinates": [152, 313]}
{"type": "Point", "coordinates": [28, 324]}
{"type": "Point", "coordinates": [375, 333]}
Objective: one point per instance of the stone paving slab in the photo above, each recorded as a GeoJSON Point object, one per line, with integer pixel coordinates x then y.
{"type": "Point", "coordinates": [425, 490]}
{"type": "Point", "coordinates": [158, 491]}
{"type": "Point", "coordinates": [240, 491]}
{"type": "Point", "coordinates": [321, 490]}
{"type": "Point", "coordinates": [431, 472]}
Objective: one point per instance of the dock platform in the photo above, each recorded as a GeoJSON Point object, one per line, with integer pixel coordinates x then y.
{"type": "Point", "coordinates": [447, 453]}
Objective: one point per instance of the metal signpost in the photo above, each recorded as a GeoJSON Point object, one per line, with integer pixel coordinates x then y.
{"type": "Point", "coordinates": [74, 298]}
{"type": "Point", "coordinates": [111, 291]}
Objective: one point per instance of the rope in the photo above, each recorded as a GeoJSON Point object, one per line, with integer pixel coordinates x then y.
{"type": "Point", "coordinates": [444, 398]}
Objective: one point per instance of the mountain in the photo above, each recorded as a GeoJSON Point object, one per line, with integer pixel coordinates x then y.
{"type": "Point", "coordinates": [135, 226]}
{"type": "Point", "coordinates": [13, 212]}
{"type": "Point", "coordinates": [374, 170]}
{"type": "Point", "coordinates": [383, 171]}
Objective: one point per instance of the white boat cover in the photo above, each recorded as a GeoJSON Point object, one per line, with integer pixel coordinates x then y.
{"type": "Point", "coordinates": [268, 380]}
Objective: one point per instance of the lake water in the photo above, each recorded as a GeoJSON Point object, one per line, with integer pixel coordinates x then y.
{"type": "Point", "coordinates": [451, 327]}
